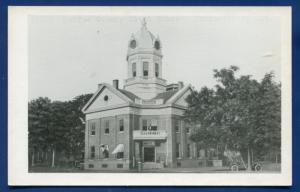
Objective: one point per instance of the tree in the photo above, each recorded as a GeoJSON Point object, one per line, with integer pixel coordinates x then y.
{"type": "Point", "coordinates": [57, 127]}
{"type": "Point", "coordinates": [38, 123]}
{"type": "Point", "coordinates": [75, 122]}
{"type": "Point", "coordinates": [240, 113]}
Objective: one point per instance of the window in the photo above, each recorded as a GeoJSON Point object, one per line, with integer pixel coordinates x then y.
{"type": "Point", "coordinates": [145, 128]}
{"type": "Point", "coordinates": [132, 44]}
{"type": "Point", "coordinates": [91, 165]}
{"type": "Point", "coordinates": [201, 153]}
{"type": "Point", "coordinates": [177, 150]}
{"type": "Point", "coordinates": [93, 128]}
{"type": "Point", "coordinates": [188, 146]}
{"type": "Point", "coordinates": [149, 125]}
{"type": "Point", "coordinates": [177, 126]}
{"type": "Point", "coordinates": [157, 45]}
{"type": "Point", "coordinates": [133, 69]}
{"type": "Point", "coordinates": [106, 131]}
{"type": "Point", "coordinates": [145, 69]}
{"type": "Point", "coordinates": [153, 125]}
{"type": "Point", "coordinates": [104, 165]}
{"type": "Point", "coordinates": [104, 149]}
{"type": "Point", "coordinates": [188, 130]}
{"type": "Point", "coordinates": [92, 152]}
{"type": "Point", "coordinates": [121, 125]}
{"type": "Point", "coordinates": [119, 165]}
{"type": "Point", "coordinates": [156, 70]}
{"type": "Point", "coordinates": [105, 98]}
{"type": "Point", "coordinates": [120, 155]}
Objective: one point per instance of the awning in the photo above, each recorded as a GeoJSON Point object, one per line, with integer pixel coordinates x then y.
{"type": "Point", "coordinates": [118, 149]}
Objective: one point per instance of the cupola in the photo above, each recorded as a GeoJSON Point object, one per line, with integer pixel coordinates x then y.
{"type": "Point", "coordinates": [144, 60]}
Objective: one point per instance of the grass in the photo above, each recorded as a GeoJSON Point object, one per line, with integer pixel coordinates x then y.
{"type": "Point", "coordinates": [272, 167]}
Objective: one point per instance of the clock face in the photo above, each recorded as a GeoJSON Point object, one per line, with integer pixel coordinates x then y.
{"type": "Point", "coordinates": [132, 44]}
{"type": "Point", "coordinates": [157, 45]}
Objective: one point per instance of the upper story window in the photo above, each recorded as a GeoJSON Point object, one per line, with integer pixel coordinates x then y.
{"type": "Point", "coordinates": [156, 70]}
{"type": "Point", "coordinates": [106, 130]}
{"type": "Point", "coordinates": [145, 69]}
{"type": "Point", "coordinates": [145, 127]}
{"type": "Point", "coordinates": [92, 128]}
{"type": "Point", "coordinates": [153, 125]}
{"type": "Point", "coordinates": [177, 128]}
{"type": "Point", "coordinates": [105, 98]}
{"type": "Point", "coordinates": [121, 125]}
{"type": "Point", "coordinates": [150, 124]}
{"type": "Point", "coordinates": [134, 69]}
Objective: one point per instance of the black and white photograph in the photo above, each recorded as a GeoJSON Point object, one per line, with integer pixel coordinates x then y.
{"type": "Point", "coordinates": [151, 92]}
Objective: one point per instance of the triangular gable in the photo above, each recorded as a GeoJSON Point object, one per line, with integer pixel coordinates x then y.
{"type": "Point", "coordinates": [180, 96]}
{"type": "Point", "coordinates": [106, 96]}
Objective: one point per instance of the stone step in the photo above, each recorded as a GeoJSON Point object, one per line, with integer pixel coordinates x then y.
{"type": "Point", "coordinates": [152, 166]}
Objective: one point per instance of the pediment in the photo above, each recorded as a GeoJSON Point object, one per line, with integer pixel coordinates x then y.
{"type": "Point", "coordinates": [182, 99]}
{"type": "Point", "coordinates": [105, 98]}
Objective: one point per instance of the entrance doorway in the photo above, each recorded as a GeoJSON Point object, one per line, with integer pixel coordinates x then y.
{"type": "Point", "coordinates": [149, 154]}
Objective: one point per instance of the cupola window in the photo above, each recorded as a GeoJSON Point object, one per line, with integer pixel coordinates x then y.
{"type": "Point", "coordinates": [156, 70]}
{"type": "Point", "coordinates": [132, 44]}
{"type": "Point", "coordinates": [157, 45]}
{"type": "Point", "coordinates": [145, 69]}
{"type": "Point", "coordinates": [134, 69]}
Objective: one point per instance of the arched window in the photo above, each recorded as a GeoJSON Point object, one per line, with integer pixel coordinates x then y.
{"type": "Point", "coordinates": [156, 70]}
{"type": "Point", "coordinates": [145, 69]}
{"type": "Point", "coordinates": [133, 69]}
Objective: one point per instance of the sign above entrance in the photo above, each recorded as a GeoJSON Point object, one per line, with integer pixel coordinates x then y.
{"type": "Point", "coordinates": [148, 143]}
{"type": "Point", "coordinates": [150, 135]}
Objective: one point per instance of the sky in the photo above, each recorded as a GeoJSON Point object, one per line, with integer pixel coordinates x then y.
{"type": "Point", "coordinates": [71, 55]}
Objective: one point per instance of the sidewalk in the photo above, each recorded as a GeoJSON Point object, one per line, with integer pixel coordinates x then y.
{"type": "Point", "coordinates": [188, 170]}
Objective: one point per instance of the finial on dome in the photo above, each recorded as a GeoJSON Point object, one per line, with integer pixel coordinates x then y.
{"type": "Point", "coordinates": [144, 23]}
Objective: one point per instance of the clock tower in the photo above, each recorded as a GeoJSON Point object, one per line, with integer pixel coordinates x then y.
{"type": "Point", "coordinates": [144, 64]}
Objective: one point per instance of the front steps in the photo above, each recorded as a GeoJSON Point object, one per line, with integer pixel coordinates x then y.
{"type": "Point", "coordinates": [150, 165]}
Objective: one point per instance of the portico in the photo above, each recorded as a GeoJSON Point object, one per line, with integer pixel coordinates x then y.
{"type": "Point", "coordinates": [150, 148]}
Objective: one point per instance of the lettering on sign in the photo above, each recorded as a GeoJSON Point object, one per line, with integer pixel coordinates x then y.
{"type": "Point", "coordinates": [148, 143]}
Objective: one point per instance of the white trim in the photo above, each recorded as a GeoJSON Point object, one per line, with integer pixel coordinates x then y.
{"type": "Point", "coordinates": [98, 92]}
{"type": "Point", "coordinates": [179, 94]}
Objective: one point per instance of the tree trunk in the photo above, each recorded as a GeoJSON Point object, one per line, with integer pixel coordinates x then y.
{"type": "Point", "coordinates": [32, 159]}
{"type": "Point", "coordinates": [53, 158]}
{"type": "Point", "coordinates": [252, 158]}
{"type": "Point", "coordinates": [249, 160]}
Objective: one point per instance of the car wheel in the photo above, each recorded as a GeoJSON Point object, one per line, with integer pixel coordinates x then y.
{"type": "Point", "coordinates": [257, 167]}
{"type": "Point", "coordinates": [234, 168]}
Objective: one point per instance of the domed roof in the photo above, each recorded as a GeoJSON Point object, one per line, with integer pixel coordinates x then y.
{"type": "Point", "coordinates": [144, 38]}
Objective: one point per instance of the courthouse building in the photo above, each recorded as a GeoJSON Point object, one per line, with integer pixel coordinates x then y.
{"type": "Point", "coordinates": [141, 123]}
